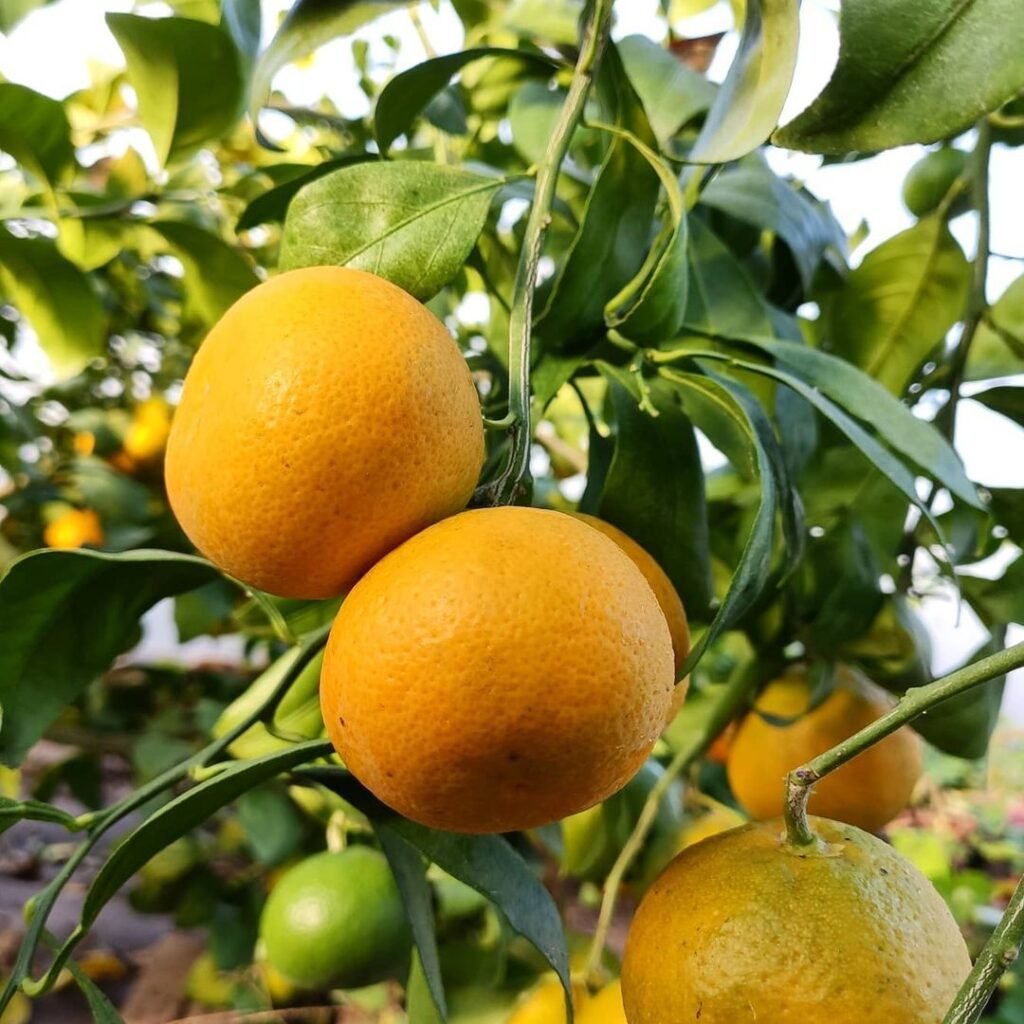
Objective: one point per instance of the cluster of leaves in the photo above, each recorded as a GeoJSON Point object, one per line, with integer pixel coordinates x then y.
{"type": "Point", "coordinates": [690, 294]}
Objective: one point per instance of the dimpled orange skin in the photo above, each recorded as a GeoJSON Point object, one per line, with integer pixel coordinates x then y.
{"type": "Point", "coordinates": [742, 927]}
{"type": "Point", "coordinates": [667, 595]}
{"type": "Point", "coordinates": [868, 791]}
{"type": "Point", "coordinates": [326, 418]}
{"type": "Point", "coordinates": [501, 670]}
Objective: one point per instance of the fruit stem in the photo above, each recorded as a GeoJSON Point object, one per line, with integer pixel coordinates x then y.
{"type": "Point", "coordinates": [515, 478]}
{"type": "Point", "coordinates": [735, 692]}
{"type": "Point", "coordinates": [915, 702]}
{"type": "Point", "coordinates": [999, 953]}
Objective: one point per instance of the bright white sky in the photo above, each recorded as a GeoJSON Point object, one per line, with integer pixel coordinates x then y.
{"type": "Point", "coordinates": [52, 49]}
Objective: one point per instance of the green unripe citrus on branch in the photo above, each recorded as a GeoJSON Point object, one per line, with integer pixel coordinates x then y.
{"type": "Point", "coordinates": [931, 178]}
{"type": "Point", "coordinates": [336, 920]}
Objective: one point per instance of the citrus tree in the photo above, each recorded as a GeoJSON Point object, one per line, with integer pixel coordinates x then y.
{"type": "Point", "coordinates": [654, 331]}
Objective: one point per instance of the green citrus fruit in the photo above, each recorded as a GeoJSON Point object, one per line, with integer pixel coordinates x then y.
{"type": "Point", "coordinates": [928, 181]}
{"type": "Point", "coordinates": [336, 920]}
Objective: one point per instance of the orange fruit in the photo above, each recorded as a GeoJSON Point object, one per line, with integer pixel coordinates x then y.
{"type": "Point", "coordinates": [74, 528]}
{"type": "Point", "coordinates": [147, 434]}
{"type": "Point", "coordinates": [868, 791]}
{"type": "Point", "coordinates": [545, 1004]}
{"type": "Point", "coordinates": [664, 590]}
{"type": "Point", "coordinates": [718, 752]}
{"type": "Point", "coordinates": [714, 822]}
{"type": "Point", "coordinates": [744, 927]}
{"type": "Point", "coordinates": [501, 670]}
{"type": "Point", "coordinates": [605, 1007]}
{"type": "Point", "coordinates": [326, 418]}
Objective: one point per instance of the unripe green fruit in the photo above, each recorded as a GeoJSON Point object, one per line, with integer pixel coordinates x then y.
{"type": "Point", "coordinates": [931, 178]}
{"type": "Point", "coordinates": [336, 920]}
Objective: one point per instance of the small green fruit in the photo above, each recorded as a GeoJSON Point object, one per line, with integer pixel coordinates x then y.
{"type": "Point", "coordinates": [931, 178]}
{"type": "Point", "coordinates": [336, 920]}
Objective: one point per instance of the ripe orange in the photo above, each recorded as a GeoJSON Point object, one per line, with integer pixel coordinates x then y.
{"type": "Point", "coordinates": [500, 670]}
{"type": "Point", "coordinates": [74, 528]}
{"type": "Point", "coordinates": [545, 1004]}
{"type": "Point", "coordinates": [326, 418]}
{"type": "Point", "coordinates": [664, 590]}
{"type": "Point", "coordinates": [147, 434]}
{"type": "Point", "coordinates": [744, 927]}
{"type": "Point", "coordinates": [605, 1007]}
{"type": "Point", "coordinates": [868, 792]}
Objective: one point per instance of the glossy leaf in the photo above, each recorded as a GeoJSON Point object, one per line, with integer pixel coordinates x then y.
{"type": "Point", "coordinates": [184, 813]}
{"type": "Point", "coordinates": [34, 130]}
{"type": "Point", "coordinates": [273, 204]}
{"type": "Point", "coordinates": [654, 489]}
{"type": "Point", "coordinates": [410, 871]}
{"type": "Point", "coordinates": [912, 71]}
{"type": "Point", "coordinates": [896, 307]}
{"type": "Point", "coordinates": [485, 863]}
{"type": "Point", "coordinates": [309, 24]}
{"type": "Point", "coordinates": [101, 1008]}
{"type": "Point", "coordinates": [406, 96]}
{"type": "Point", "coordinates": [752, 193]}
{"type": "Point", "coordinates": [615, 232]}
{"type": "Point", "coordinates": [868, 400]}
{"type": "Point", "coordinates": [56, 299]}
{"type": "Point", "coordinates": [998, 348]}
{"type": "Point", "coordinates": [1007, 401]}
{"type": "Point", "coordinates": [413, 223]}
{"type": "Point", "coordinates": [747, 108]}
{"type": "Point", "coordinates": [651, 308]}
{"type": "Point", "coordinates": [188, 77]}
{"type": "Point", "coordinates": [999, 601]}
{"type": "Point", "coordinates": [721, 299]}
{"type": "Point", "coordinates": [672, 93]}
{"type": "Point", "coordinates": [707, 400]}
{"type": "Point", "coordinates": [216, 274]}
{"type": "Point", "coordinates": [67, 615]}
{"type": "Point", "coordinates": [242, 20]}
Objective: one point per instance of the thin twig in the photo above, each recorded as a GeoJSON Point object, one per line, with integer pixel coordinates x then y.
{"type": "Point", "coordinates": [915, 702]}
{"type": "Point", "coordinates": [1000, 952]}
{"type": "Point", "coordinates": [514, 479]}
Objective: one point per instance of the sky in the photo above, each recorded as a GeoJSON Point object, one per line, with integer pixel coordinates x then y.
{"type": "Point", "coordinates": [52, 49]}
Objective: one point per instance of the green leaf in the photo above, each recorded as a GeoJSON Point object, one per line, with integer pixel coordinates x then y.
{"type": "Point", "coordinates": [273, 204]}
{"type": "Point", "coordinates": [999, 601]}
{"type": "Point", "coordinates": [747, 108]}
{"type": "Point", "coordinates": [242, 21]}
{"type": "Point", "coordinates": [615, 231]}
{"type": "Point", "coordinates": [897, 306]}
{"type": "Point", "coordinates": [57, 300]}
{"type": "Point", "coordinates": [410, 871]}
{"type": "Point", "coordinates": [868, 400]}
{"type": "Point", "coordinates": [34, 130]}
{"type": "Point", "coordinates": [67, 615]}
{"type": "Point", "coordinates": [406, 96]}
{"type": "Point", "coordinates": [722, 300]}
{"type": "Point", "coordinates": [896, 57]}
{"type": "Point", "coordinates": [998, 348]}
{"type": "Point", "coordinates": [533, 111]}
{"type": "Point", "coordinates": [184, 813]}
{"type": "Point", "coordinates": [309, 24]}
{"type": "Point", "coordinates": [485, 863]}
{"type": "Point", "coordinates": [707, 400]}
{"type": "Point", "coordinates": [420, 1005]}
{"type": "Point", "coordinates": [651, 308]}
{"type": "Point", "coordinates": [654, 489]}
{"type": "Point", "coordinates": [672, 93]}
{"type": "Point", "coordinates": [12, 11]}
{"type": "Point", "coordinates": [188, 77]}
{"type": "Point", "coordinates": [887, 463]}
{"type": "Point", "coordinates": [216, 274]}
{"type": "Point", "coordinates": [752, 193]}
{"type": "Point", "coordinates": [413, 223]}
{"type": "Point", "coordinates": [1007, 401]}
{"type": "Point", "coordinates": [102, 1009]}
{"type": "Point", "coordinates": [555, 21]}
